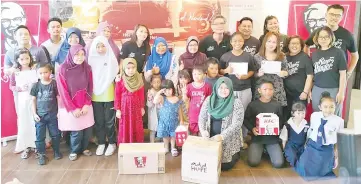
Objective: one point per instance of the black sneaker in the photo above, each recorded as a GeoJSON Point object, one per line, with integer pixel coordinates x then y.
{"type": "Point", "coordinates": [42, 159]}
{"type": "Point", "coordinates": [58, 156]}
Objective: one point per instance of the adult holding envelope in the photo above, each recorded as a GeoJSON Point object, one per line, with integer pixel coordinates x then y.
{"type": "Point", "coordinates": [238, 66]}
{"type": "Point", "coordinates": [271, 64]}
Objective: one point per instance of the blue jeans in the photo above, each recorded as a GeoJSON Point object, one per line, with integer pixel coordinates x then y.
{"type": "Point", "coordinates": [79, 140]}
{"type": "Point", "coordinates": [51, 121]}
{"type": "Point", "coordinates": [255, 152]}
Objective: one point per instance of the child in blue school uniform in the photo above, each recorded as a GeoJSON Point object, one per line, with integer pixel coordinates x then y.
{"type": "Point", "coordinates": [320, 156]}
{"type": "Point", "coordinates": [294, 133]}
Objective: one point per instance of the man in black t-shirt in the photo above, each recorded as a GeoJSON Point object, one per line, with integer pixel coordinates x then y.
{"type": "Point", "coordinates": [251, 44]}
{"type": "Point", "coordinates": [344, 39]}
{"type": "Point", "coordinates": [218, 43]}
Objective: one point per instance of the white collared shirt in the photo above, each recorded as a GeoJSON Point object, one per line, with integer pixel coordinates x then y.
{"type": "Point", "coordinates": [334, 124]}
{"type": "Point", "coordinates": [298, 129]}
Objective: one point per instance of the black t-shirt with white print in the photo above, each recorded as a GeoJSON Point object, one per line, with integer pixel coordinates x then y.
{"type": "Point", "coordinates": [251, 45]}
{"type": "Point", "coordinates": [326, 67]}
{"type": "Point", "coordinates": [210, 47]}
{"type": "Point", "coordinates": [130, 49]}
{"type": "Point", "coordinates": [299, 66]}
{"type": "Point", "coordinates": [344, 40]}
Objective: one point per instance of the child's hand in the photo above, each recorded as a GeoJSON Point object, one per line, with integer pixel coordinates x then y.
{"type": "Point", "coordinates": [142, 111]}
{"type": "Point", "coordinates": [335, 163]}
{"type": "Point", "coordinates": [84, 110]}
{"type": "Point", "coordinates": [255, 131]}
{"type": "Point", "coordinates": [76, 113]}
{"type": "Point", "coordinates": [118, 114]}
{"type": "Point", "coordinates": [260, 72]}
{"type": "Point", "coordinates": [118, 77]}
{"type": "Point", "coordinates": [36, 117]}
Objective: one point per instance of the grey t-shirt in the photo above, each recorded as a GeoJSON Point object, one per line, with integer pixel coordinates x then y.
{"type": "Point", "coordinates": [52, 48]}
{"type": "Point", "coordinates": [211, 81]}
{"type": "Point", "coordinates": [327, 64]}
{"type": "Point", "coordinates": [37, 53]}
{"type": "Point", "coordinates": [238, 85]}
{"type": "Point", "coordinates": [344, 40]}
{"type": "Point", "coordinates": [46, 101]}
{"type": "Point", "coordinates": [299, 66]}
{"type": "Point", "coordinates": [251, 45]}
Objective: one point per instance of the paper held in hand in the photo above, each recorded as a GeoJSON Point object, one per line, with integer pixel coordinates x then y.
{"type": "Point", "coordinates": [271, 67]}
{"type": "Point", "coordinates": [239, 68]}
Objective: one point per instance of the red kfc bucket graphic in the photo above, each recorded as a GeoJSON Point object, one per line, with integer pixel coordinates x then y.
{"type": "Point", "coordinates": [140, 162]}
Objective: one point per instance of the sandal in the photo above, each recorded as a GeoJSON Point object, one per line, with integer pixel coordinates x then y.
{"type": "Point", "coordinates": [87, 153]}
{"type": "Point", "coordinates": [174, 152]}
{"type": "Point", "coordinates": [26, 153]}
{"type": "Point", "coordinates": [73, 156]}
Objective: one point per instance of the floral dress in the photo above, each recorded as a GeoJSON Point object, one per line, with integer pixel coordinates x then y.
{"type": "Point", "coordinates": [279, 91]}
{"type": "Point", "coordinates": [168, 118]}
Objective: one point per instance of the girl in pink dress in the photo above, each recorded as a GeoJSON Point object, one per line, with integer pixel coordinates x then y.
{"type": "Point", "coordinates": [129, 103]}
{"type": "Point", "coordinates": [75, 86]}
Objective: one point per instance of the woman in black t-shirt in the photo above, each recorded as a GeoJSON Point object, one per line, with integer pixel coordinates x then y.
{"type": "Point", "coordinates": [271, 24]}
{"type": "Point", "coordinates": [298, 83]}
{"type": "Point", "coordinates": [137, 47]}
{"type": "Point", "coordinates": [329, 67]}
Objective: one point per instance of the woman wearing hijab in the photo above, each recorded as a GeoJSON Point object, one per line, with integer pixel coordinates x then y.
{"type": "Point", "coordinates": [73, 37]}
{"type": "Point", "coordinates": [162, 62]}
{"type": "Point", "coordinates": [192, 57]}
{"type": "Point", "coordinates": [129, 103]}
{"type": "Point", "coordinates": [221, 119]}
{"type": "Point", "coordinates": [104, 67]}
{"type": "Point", "coordinates": [104, 29]}
{"type": "Point", "coordinates": [75, 87]}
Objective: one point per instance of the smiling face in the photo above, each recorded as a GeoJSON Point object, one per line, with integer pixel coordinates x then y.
{"type": "Point", "coordinates": [73, 39]}
{"type": "Point", "coordinates": [218, 25]}
{"type": "Point", "coordinates": [271, 44]}
{"type": "Point", "coordinates": [193, 47]}
{"type": "Point", "coordinates": [198, 75]}
{"type": "Point", "coordinates": [273, 26]}
{"type": "Point", "coordinates": [141, 33]}
{"type": "Point", "coordinates": [266, 91]}
{"type": "Point", "coordinates": [334, 17]}
{"type": "Point", "coordinates": [294, 46]}
{"type": "Point", "coordinates": [54, 28]}
{"type": "Point", "coordinates": [161, 48]}
{"type": "Point", "coordinates": [237, 42]}
{"type": "Point", "coordinates": [212, 70]}
{"type": "Point", "coordinates": [101, 49]}
{"type": "Point", "coordinates": [246, 28]}
{"type": "Point", "coordinates": [130, 69]}
{"type": "Point", "coordinates": [79, 57]}
{"type": "Point", "coordinates": [22, 36]}
{"type": "Point", "coordinates": [324, 39]}
{"type": "Point", "coordinates": [327, 107]}
{"type": "Point", "coordinates": [223, 91]}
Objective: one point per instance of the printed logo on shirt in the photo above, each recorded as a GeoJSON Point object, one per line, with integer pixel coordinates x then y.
{"type": "Point", "coordinates": [45, 96]}
{"type": "Point", "coordinates": [338, 43]}
{"type": "Point", "coordinates": [34, 59]}
{"type": "Point", "coordinates": [251, 50]}
{"type": "Point", "coordinates": [324, 65]}
{"type": "Point", "coordinates": [131, 55]}
{"type": "Point", "coordinates": [293, 67]}
{"type": "Point", "coordinates": [210, 48]}
{"type": "Point", "coordinates": [281, 45]}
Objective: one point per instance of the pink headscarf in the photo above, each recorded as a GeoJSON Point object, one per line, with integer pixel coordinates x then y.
{"type": "Point", "coordinates": [76, 76]}
{"type": "Point", "coordinates": [112, 44]}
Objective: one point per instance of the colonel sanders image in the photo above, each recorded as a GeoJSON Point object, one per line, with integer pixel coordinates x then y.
{"type": "Point", "coordinates": [12, 16]}
{"type": "Point", "coordinates": [314, 16]}
{"type": "Point", "coordinates": [140, 161]}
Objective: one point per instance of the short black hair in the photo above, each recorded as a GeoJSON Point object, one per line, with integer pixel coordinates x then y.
{"type": "Point", "coordinates": [168, 84]}
{"type": "Point", "coordinates": [212, 61]}
{"type": "Point", "coordinates": [56, 19]}
{"type": "Point", "coordinates": [325, 96]}
{"type": "Point", "coordinates": [200, 68]}
{"type": "Point", "coordinates": [245, 19]}
{"type": "Point", "coordinates": [21, 27]}
{"type": "Point", "coordinates": [262, 81]}
{"type": "Point", "coordinates": [336, 6]}
{"type": "Point", "coordinates": [44, 65]}
{"type": "Point", "coordinates": [298, 106]}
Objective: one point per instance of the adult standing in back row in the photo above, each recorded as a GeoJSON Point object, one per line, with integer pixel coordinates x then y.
{"type": "Point", "coordinates": [344, 39]}
{"type": "Point", "coordinates": [271, 24]}
{"type": "Point", "coordinates": [251, 44]}
{"type": "Point", "coordinates": [218, 43]}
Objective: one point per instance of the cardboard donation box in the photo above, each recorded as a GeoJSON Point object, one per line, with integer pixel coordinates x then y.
{"type": "Point", "coordinates": [201, 160]}
{"type": "Point", "coordinates": [267, 124]}
{"type": "Point", "coordinates": [141, 158]}
{"type": "Point", "coordinates": [181, 134]}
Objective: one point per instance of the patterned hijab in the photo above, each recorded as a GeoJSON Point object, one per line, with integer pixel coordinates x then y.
{"type": "Point", "coordinates": [135, 82]}
{"type": "Point", "coordinates": [221, 107]}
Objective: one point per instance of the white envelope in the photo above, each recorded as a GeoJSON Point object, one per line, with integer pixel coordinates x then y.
{"type": "Point", "coordinates": [271, 67]}
{"type": "Point", "coordinates": [239, 68]}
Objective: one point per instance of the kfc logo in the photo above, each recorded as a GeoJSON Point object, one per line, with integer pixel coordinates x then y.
{"type": "Point", "coordinates": [315, 16]}
{"type": "Point", "coordinates": [140, 161]}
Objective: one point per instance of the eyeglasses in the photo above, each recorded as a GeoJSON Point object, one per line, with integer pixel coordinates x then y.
{"type": "Point", "coordinates": [324, 37]}
{"type": "Point", "coordinates": [335, 15]}
{"type": "Point", "coordinates": [218, 24]}
{"type": "Point", "coordinates": [15, 21]}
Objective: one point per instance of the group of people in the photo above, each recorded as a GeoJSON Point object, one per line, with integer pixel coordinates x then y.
{"type": "Point", "coordinates": [201, 89]}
